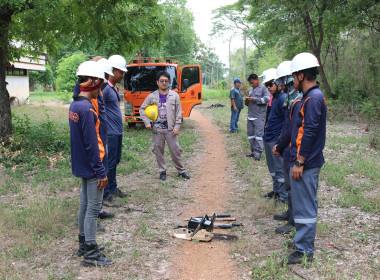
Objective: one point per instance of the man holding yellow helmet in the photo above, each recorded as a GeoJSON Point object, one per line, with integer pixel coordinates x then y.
{"type": "Point", "coordinates": [162, 113]}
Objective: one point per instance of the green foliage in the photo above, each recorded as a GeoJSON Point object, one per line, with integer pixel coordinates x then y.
{"type": "Point", "coordinates": [33, 143]}
{"type": "Point", "coordinates": [42, 77]}
{"type": "Point", "coordinates": [179, 41]}
{"type": "Point", "coordinates": [45, 24]}
{"type": "Point", "coordinates": [67, 69]}
{"type": "Point", "coordinates": [370, 108]}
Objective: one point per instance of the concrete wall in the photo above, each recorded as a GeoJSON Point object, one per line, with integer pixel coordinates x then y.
{"type": "Point", "coordinates": [18, 86]}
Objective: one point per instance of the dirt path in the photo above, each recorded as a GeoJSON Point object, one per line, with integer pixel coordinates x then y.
{"type": "Point", "coordinates": [209, 190]}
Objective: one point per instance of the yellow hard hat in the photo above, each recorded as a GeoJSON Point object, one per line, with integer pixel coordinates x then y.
{"type": "Point", "coordinates": [151, 112]}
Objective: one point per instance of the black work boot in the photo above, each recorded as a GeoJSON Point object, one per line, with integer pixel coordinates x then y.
{"type": "Point", "coordinates": [297, 257]}
{"type": "Point", "coordinates": [291, 244]}
{"type": "Point", "coordinates": [82, 247]}
{"type": "Point", "coordinates": [184, 175]}
{"type": "Point", "coordinates": [282, 217]}
{"type": "Point", "coordinates": [163, 175]}
{"type": "Point", "coordinates": [93, 257]}
{"type": "Point", "coordinates": [285, 229]}
{"type": "Point", "coordinates": [269, 195]}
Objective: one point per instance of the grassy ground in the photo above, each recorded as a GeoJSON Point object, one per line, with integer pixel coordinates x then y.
{"type": "Point", "coordinates": [44, 97]}
{"type": "Point", "coordinates": [349, 199]}
{"type": "Point", "coordinates": [39, 200]}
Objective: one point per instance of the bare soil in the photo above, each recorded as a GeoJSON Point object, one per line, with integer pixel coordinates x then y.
{"type": "Point", "coordinates": [210, 191]}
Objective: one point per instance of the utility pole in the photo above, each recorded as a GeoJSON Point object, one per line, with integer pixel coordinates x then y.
{"type": "Point", "coordinates": [217, 75]}
{"type": "Point", "coordinates": [212, 74]}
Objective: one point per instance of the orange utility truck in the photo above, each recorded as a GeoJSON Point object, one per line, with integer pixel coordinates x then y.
{"type": "Point", "coordinates": [140, 81]}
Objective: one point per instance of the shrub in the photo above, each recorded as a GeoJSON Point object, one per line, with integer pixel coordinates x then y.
{"type": "Point", "coordinates": [67, 69]}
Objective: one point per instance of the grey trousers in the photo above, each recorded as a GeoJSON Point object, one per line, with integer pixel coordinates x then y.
{"type": "Point", "coordinates": [158, 148]}
{"type": "Point", "coordinates": [91, 198]}
{"type": "Point", "coordinates": [255, 132]}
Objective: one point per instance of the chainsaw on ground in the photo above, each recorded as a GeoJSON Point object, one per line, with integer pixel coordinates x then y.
{"type": "Point", "coordinates": [201, 228]}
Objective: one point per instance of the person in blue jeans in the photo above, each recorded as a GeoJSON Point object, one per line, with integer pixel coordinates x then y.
{"type": "Point", "coordinates": [272, 133]}
{"type": "Point", "coordinates": [114, 129]}
{"type": "Point", "coordinates": [236, 105]}
{"type": "Point", "coordinates": [307, 144]}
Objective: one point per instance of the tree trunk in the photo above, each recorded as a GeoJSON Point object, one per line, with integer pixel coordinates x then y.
{"type": "Point", "coordinates": [212, 76]}
{"type": "Point", "coordinates": [229, 65]}
{"type": "Point", "coordinates": [5, 107]}
{"type": "Point", "coordinates": [316, 45]}
{"type": "Point", "coordinates": [245, 57]}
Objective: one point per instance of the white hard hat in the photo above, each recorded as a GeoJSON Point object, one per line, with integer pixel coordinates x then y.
{"type": "Point", "coordinates": [106, 66]}
{"type": "Point", "coordinates": [118, 62]}
{"type": "Point", "coordinates": [283, 69]}
{"type": "Point", "coordinates": [269, 75]}
{"type": "Point", "coordinates": [303, 61]}
{"type": "Point", "coordinates": [91, 69]}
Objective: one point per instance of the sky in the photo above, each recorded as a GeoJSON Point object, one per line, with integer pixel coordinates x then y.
{"type": "Point", "coordinates": [202, 11]}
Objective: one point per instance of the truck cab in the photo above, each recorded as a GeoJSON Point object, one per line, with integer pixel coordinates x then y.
{"type": "Point", "coordinates": [140, 81]}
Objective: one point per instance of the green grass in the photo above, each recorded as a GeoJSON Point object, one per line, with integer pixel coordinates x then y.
{"type": "Point", "coordinates": [352, 166]}
{"type": "Point", "coordinates": [44, 97]}
{"type": "Point", "coordinates": [212, 94]}
{"type": "Point", "coordinates": [40, 196]}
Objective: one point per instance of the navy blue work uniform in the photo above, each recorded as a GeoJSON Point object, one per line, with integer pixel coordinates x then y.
{"type": "Point", "coordinates": [114, 122]}
{"type": "Point", "coordinates": [308, 140]}
{"type": "Point", "coordinates": [270, 137]}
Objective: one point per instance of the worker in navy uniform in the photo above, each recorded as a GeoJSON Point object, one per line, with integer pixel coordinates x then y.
{"type": "Point", "coordinates": [88, 160]}
{"type": "Point", "coordinates": [307, 144]}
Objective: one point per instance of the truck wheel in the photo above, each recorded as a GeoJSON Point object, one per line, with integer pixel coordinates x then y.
{"type": "Point", "coordinates": [131, 124]}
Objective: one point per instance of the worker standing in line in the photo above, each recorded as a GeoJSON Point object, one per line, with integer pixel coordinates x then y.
{"type": "Point", "coordinates": [282, 148]}
{"type": "Point", "coordinates": [271, 135]}
{"type": "Point", "coordinates": [236, 105]}
{"type": "Point", "coordinates": [114, 129]}
{"type": "Point", "coordinates": [307, 144]}
{"type": "Point", "coordinates": [88, 160]}
{"type": "Point", "coordinates": [99, 106]}
{"type": "Point", "coordinates": [257, 101]}
{"type": "Point", "coordinates": [167, 124]}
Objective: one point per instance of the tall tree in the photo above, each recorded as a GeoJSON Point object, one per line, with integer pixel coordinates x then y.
{"type": "Point", "coordinates": [113, 26]}
{"type": "Point", "coordinates": [179, 40]}
{"type": "Point", "coordinates": [232, 19]}
{"type": "Point", "coordinates": [304, 24]}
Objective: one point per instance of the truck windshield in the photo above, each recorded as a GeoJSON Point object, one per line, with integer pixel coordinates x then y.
{"type": "Point", "coordinates": [143, 78]}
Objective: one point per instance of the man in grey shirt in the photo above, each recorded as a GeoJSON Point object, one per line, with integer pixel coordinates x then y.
{"type": "Point", "coordinates": [257, 101]}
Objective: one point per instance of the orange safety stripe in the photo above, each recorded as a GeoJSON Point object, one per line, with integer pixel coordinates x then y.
{"type": "Point", "coordinates": [95, 104]}
{"type": "Point", "coordinates": [292, 107]}
{"type": "Point", "coordinates": [291, 112]}
{"type": "Point", "coordinates": [300, 130]}
{"type": "Point", "coordinates": [100, 142]}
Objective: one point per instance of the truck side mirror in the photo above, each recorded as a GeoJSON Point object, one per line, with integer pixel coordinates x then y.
{"type": "Point", "coordinates": [185, 83]}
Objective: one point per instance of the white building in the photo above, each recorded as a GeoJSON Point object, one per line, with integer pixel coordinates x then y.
{"type": "Point", "coordinates": [17, 77]}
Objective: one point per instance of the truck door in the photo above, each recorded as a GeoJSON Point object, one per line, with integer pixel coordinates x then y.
{"type": "Point", "coordinates": [191, 90]}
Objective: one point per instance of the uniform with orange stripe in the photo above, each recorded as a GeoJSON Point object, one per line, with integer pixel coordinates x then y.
{"type": "Point", "coordinates": [88, 155]}
{"type": "Point", "coordinates": [308, 140]}
{"type": "Point", "coordinates": [309, 133]}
